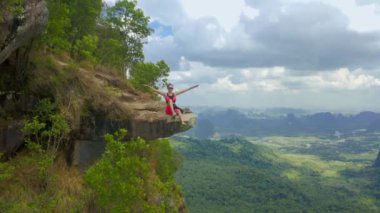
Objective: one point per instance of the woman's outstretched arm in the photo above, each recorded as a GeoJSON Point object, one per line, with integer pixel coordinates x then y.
{"type": "Point", "coordinates": [185, 90]}
{"type": "Point", "coordinates": [155, 90]}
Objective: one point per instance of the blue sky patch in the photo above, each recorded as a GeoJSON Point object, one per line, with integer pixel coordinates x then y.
{"type": "Point", "coordinates": [161, 29]}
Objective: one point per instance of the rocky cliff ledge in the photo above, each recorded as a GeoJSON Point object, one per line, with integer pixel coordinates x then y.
{"type": "Point", "coordinates": [122, 107]}
{"type": "Point", "coordinates": [96, 103]}
{"type": "Point", "coordinates": [119, 106]}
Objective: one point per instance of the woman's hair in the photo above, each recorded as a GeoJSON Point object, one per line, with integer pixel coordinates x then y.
{"type": "Point", "coordinates": [169, 85]}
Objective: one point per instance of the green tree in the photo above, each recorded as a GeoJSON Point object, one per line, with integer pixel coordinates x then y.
{"type": "Point", "coordinates": [86, 47]}
{"type": "Point", "coordinates": [149, 74]}
{"type": "Point", "coordinates": [118, 179]}
{"type": "Point", "coordinates": [131, 27]}
{"type": "Point", "coordinates": [47, 129]}
{"type": "Point", "coordinates": [134, 176]}
{"type": "Point", "coordinates": [58, 25]}
{"type": "Point", "coordinates": [83, 17]}
{"type": "Point", "coordinates": [111, 49]}
{"type": "Point", "coordinates": [71, 21]}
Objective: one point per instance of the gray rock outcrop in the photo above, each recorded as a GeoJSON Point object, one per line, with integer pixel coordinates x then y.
{"type": "Point", "coordinates": [18, 30]}
{"type": "Point", "coordinates": [11, 137]}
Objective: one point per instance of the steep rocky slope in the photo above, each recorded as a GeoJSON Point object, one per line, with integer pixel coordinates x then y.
{"type": "Point", "coordinates": [95, 102]}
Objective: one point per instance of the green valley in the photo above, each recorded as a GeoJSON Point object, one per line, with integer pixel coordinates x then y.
{"type": "Point", "coordinates": [279, 174]}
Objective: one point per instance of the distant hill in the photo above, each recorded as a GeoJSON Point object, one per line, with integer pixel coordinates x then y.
{"type": "Point", "coordinates": [273, 122]}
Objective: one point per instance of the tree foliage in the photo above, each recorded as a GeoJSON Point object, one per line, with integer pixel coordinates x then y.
{"type": "Point", "coordinates": [14, 7]}
{"type": "Point", "coordinates": [47, 129]}
{"type": "Point", "coordinates": [59, 24]}
{"type": "Point", "coordinates": [132, 24]}
{"type": "Point", "coordinates": [103, 34]}
{"type": "Point", "coordinates": [83, 17]}
{"type": "Point", "coordinates": [148, 74]}
{"type": "Point", "coordinates": [134, 176]}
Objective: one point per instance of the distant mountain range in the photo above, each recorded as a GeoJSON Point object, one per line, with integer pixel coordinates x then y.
{"type": "Point", "coordinates": [277, 122]}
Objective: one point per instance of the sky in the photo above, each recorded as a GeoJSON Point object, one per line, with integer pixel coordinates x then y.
{"type": "Point", "coordinates": [310, 54]}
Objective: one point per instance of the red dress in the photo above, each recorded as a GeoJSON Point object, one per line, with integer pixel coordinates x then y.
{"type": "Point", "coordinates": [168, 109]}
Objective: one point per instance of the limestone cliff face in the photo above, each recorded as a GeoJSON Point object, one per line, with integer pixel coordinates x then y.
{"type": "Point", "coordinates": [18, 30]}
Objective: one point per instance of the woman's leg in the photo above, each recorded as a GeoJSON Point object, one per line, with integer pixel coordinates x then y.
{"type": "Point", "coordinates": [178, 112]}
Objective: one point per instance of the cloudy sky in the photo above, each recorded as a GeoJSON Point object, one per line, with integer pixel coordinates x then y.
{"type": "Point", "coordinates": [312, 54]}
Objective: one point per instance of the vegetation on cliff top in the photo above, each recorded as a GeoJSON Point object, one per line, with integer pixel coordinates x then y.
{"type": "Point", "coordinates": [112, 36]}
{"type": "Point", "coordinates": [84, 36]}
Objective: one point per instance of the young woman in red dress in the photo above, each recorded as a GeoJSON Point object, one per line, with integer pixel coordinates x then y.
{"type": "Point", "coordinates": [170, 98]}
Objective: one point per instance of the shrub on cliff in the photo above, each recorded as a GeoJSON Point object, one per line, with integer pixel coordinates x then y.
{"type": "Point", "coordinates": [134, 176]}
{"type": "Point", "coordinates": [47, 128]}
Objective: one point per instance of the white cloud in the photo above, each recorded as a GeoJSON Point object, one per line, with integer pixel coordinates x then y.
{"type": "Point", "coordinates": [363, 15]}
{"type": "Point", "coordinates": [191, 72]}
{"type": "Point", "coordinates": [250, 12]}
{"type": "Point", "coordinates": [342, 79]}
{"type": "Point", "coordinates": [262, 73]}
{"type": "Point", "coordinates": [225, 83]}
{"type": "Point", "coordinates": [269, 85]}
{"type": "Point", "coordinates": [226, 12]}
{"type": "Point", "coordinates": [346, 80]}
{"type": "Point", "coordinates": [342, 89]}
{"type": "Point", "coordinates": [184, 64]}
{"type": "Point", "coordinates": [277, 53]}
{"type": "Point", "coordinates": [305, 36]}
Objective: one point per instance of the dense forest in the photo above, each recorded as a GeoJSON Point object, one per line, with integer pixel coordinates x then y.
{"type": "Point", "coordinates": [236, 175]}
